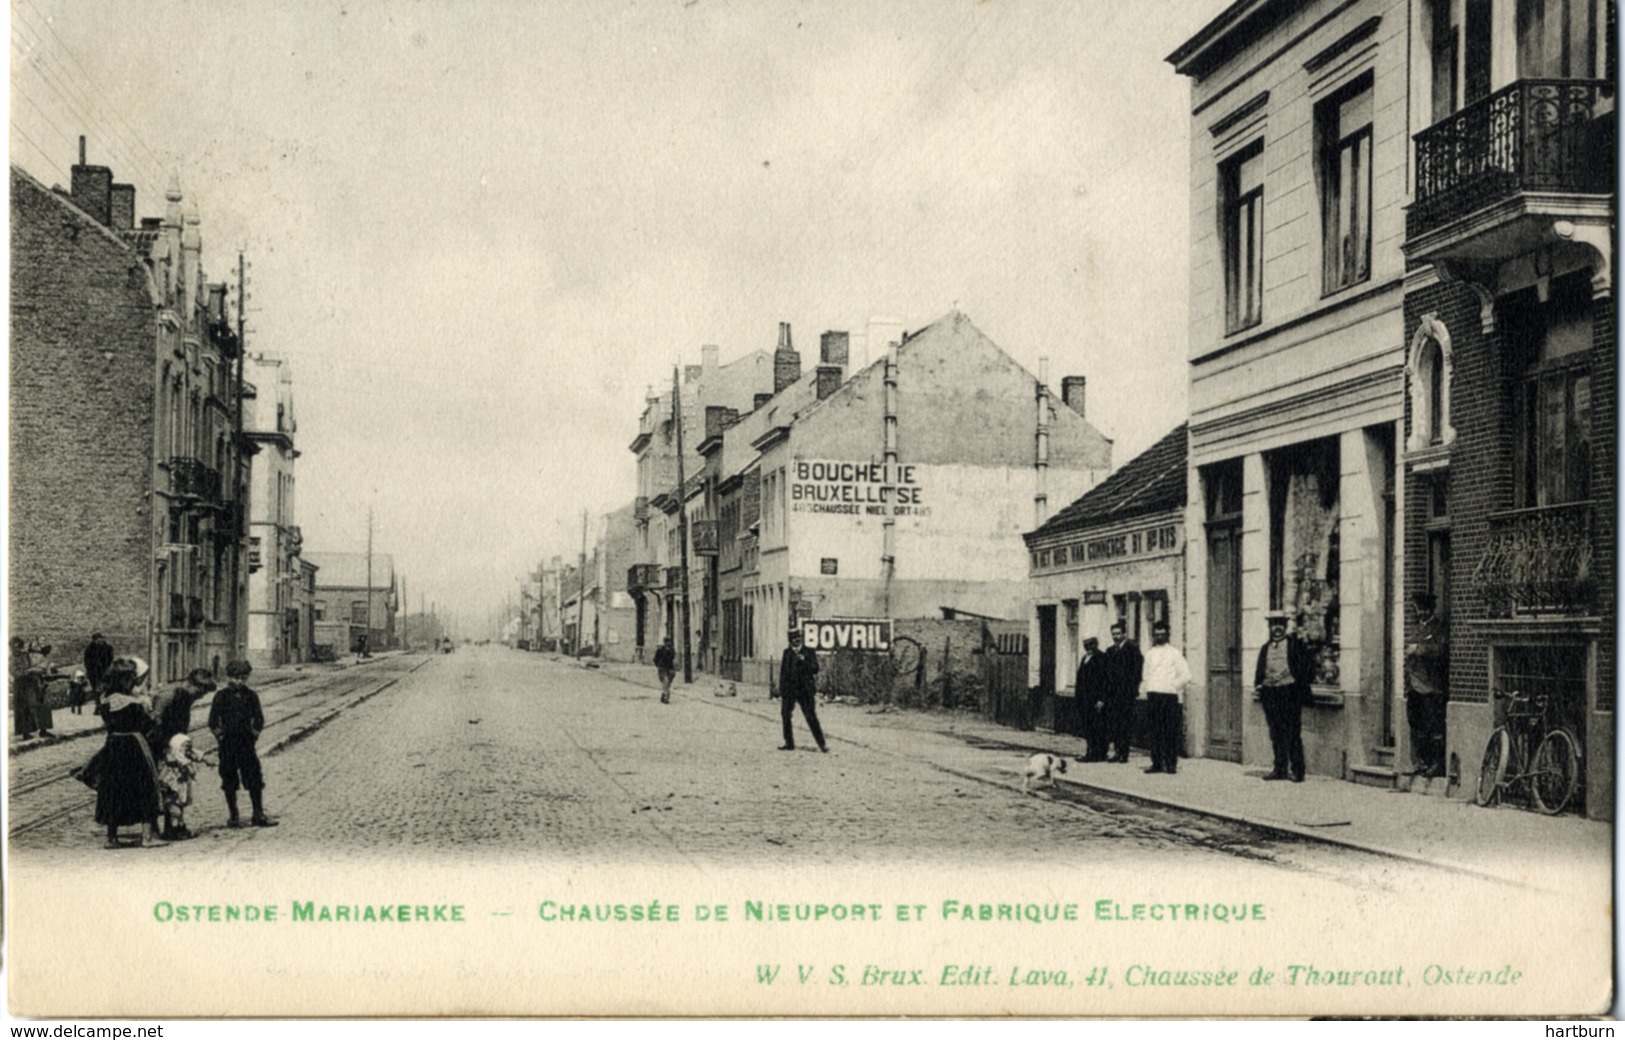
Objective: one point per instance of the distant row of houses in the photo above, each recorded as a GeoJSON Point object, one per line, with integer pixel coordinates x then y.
{"type": "Point", "coordinates": [1402, 383]}
{"type": "Point", "coordinates": [152, 459]}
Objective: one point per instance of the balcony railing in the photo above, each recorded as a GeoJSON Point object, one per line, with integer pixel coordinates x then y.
{"type": "Point", "coordinates": [644, 576]}
{"type": "Point", "coordinates": [1535, 135]}
{"type": "Point", "coordinates": [193, 479]}
{"type": "Point", "coordinates": [1538, 561]}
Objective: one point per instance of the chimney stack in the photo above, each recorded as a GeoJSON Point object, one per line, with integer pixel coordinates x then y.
{"type": "Point", "coordinates": [786, 362]}
{"type": "Point", "coordinates": [121, 207]}
{"type": "Point", "coordinates": [708, 357]}
{"type": "Point", "coordinates": [829, 380]}
{"type": "Point", "coordinates": [834, 348]}
{"type": "Point", "coordinates": [718, 418]}
{"type": "Point", "coordinates": [91, 188]}
{"type": "Point", "coordinates": [1072, 392]}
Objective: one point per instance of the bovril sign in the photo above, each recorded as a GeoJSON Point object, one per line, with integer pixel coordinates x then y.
{"type": "Point", "coordinates": [847, 634]}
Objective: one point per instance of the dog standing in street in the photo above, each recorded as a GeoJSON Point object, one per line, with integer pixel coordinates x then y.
{"type": "Point", "coordinates": [1042, 766]}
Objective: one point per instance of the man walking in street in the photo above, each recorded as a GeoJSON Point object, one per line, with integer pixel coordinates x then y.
{"type": "Point", "coordinates": [1165, 677]}
{"type": "Point", "coordinates": [1285, 670]}
{"type": "Point", "coordinates": [666, 668]}
{"type": "Point", "coordinates": [798, 674]}
{"type": "Point", "coordinates": [1123, 667]}
{"type": "Point", "coordinates": [1091, 693]}
{"type": "Point", "coordinates": [98, 658]}
{"type": "Point", "coordinates": [236, 720]}
{"type": "Point", "coordinates": [1427, 665]}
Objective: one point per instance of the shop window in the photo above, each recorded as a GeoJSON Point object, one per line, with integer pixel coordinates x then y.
{"type": "Point", "coordinates": [1241, 208]}
{"type": "Point", "coordinates": [1551, 396]}
{"type": "Point", "coordinates": [1305, 546]}
{"type": "Point", "coordinates": [1343, 127]}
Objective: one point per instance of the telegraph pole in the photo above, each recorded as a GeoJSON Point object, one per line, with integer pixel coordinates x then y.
{"type": "Point", "coordinates": [239, 641]}
{"type": "Point", "coordinates": [682, 523]}
{"type": "Point", "coordinates": [367, 645]}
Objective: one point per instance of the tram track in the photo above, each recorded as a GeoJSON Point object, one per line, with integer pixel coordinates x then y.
{"type": "Point", "coordinates": [303, 707]}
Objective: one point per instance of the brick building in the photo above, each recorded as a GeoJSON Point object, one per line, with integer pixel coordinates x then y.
{"type": "Point", "coordinates": [1509, 448]}
{"type": "Point", "coordinates": [125, 511]}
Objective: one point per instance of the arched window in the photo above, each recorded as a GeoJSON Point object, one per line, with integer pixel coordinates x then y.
{"type": "Point", "coordinates": [1427, 378]}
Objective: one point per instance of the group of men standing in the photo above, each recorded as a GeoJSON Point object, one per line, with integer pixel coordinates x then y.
{"type": "Point", "coordinates": [1110, 681]}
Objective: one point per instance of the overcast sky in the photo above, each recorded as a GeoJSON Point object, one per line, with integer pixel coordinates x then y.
{"type": "Point", "coordinates": [480, 230]}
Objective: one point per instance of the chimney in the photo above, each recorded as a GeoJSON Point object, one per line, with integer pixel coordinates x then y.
{"type": "Point", "coordinates": [760, 400]}
{"type": "Point", "coordinates": [834, 348]}
{"type": "Point", "coordinates": [1072, 392]}
{"type": "Point", "coordinates": [692, 372]}
{"type": "Point", "coordinates": [121, 207]}
{"type": "Point", "coordinates": [718, 418]}
{"type": "Point", "coordinates": [786, 362]}
{"type": "Point", "coordinates": [708, 357]}
{"type": "Point", "coordinates": [91, 187]}
{"type": "Point", "coordinates": [829, 379]}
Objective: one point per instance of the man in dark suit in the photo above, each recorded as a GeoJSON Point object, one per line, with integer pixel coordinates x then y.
{"type": "Point", "coordinates": [1285, 670]}
{"type": "Point", "coordinates": [1091, 690]}
{"type": "Point", "coordinates": [1124, 664]}
{"type": "Point", "coordinates": [798, 675]}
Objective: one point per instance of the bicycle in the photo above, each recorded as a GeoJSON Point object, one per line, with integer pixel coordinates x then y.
{"type": "Point", "coordinates": [1551, 777]}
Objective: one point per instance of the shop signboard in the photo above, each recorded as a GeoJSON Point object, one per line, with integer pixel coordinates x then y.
{"type": "Point", "coordinates": [854, 488]}
{"type": "Point", "coordinates": [863, 634]}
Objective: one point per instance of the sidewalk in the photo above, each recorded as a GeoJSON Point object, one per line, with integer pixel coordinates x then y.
{"type": "Point", "coordinates": [68, 726]}
{"type": "Point", "coordinates": [1505, 843]}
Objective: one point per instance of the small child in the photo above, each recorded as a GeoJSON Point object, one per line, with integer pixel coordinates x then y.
{"type": "Point", "coordinates": [78, 692]}
{"type": "Point", "coordinates": [175, 772]}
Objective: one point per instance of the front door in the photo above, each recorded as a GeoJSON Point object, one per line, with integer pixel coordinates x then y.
{"type": "Point", "coordinates": [1224, 679]}
{"type": "Point", "coordinates": [1046, 650]}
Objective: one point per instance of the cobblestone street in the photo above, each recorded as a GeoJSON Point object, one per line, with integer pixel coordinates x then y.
{"type": "Point", "coordinates": [489, 756]}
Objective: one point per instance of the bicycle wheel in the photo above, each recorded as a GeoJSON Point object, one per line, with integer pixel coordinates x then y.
{"type": "Point", "coordinates": [1493, 773]}
{"type": "Point", "coordinates": [1556, 772]}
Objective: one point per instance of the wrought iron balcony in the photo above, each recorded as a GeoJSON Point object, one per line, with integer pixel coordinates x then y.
{"type": "Point", "coordinates": [192, 479]}
{"type": "Point", "coordinates": [1535, 135]}
{"type": "Point", "coordinates": [1538, 561]}
{"type": "Point", "coordinates": [644, 576]}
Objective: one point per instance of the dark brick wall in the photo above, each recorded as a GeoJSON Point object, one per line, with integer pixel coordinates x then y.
{"type": "Point", "coordinates": [1604, 487]}
{"type": "Point", "coordinates": [1478, 481]}
{"type": "Point", "coordinates": [1480, 478]}
{"type": "Point", "coordinates": [82, 353]}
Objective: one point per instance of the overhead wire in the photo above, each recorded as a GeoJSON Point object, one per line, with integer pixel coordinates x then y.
{"type": "Point", "coordinates": [89, 81]}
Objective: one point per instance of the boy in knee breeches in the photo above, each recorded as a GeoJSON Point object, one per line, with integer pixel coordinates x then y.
{"type": "Point", "coordinates": [236, 720]}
